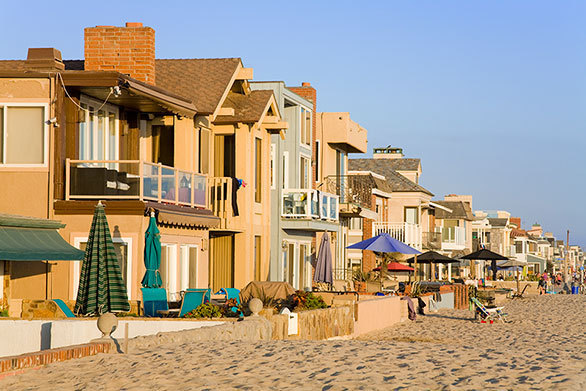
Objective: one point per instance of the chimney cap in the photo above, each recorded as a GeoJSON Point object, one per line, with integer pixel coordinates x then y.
{"type": "Point", "coordinates": [306, 84]}
{"type": "Point", "coordinates": [133, 24]}
{"type": "Point", "coordinates": [44, 59]}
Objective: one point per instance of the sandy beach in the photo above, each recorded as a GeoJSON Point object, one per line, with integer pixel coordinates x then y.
{"type": "Point", "coordinates": [542, 347]}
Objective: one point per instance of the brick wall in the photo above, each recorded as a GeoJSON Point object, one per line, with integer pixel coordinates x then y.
{"type": "Point", "coordinates": [308, 92]}
{"type": "Point", "coordinates": [129, 50]}
{"type": "Point", "coordinates": [16, 364]}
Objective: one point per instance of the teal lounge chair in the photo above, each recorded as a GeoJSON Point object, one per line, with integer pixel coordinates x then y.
{"type": "Point", "coordinates": [192, 299]}
{"type": "Point", "coordinates": [231, 293]}
{"type": "Point", "coordinates": [154, 300]}
{"type": "Point", "coordinates": [61, 304]}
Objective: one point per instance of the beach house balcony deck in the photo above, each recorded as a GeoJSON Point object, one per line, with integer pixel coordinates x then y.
{"type": "Point", "coordinates": [453, 238]}
{"type": "Point", "coordinates": [309, 209]}
{"type": "Point", "coordinates": [407, 233]}
{"type": "Point", "coordinates": [351, 189]}
{"type": "Point", "coordinates": [134, 180]}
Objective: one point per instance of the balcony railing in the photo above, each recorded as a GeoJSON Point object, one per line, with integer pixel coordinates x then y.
{"type": "Point", "coordinates": [408, 233]}
{"type": "Point", "coordinates": [352, 189]}
{"type": "Point", "coordinates": [134, 180]}
{"type": "Point", "coordinates": [220, 199]}
{"type": "Point", "coordinates": [432, 240]}
{"type": "Point", "coordinates": [453, 238]}
{"type": "Point", "coordinates": [309, 204]}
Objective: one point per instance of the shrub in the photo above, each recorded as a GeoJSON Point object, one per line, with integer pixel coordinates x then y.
{"type": "Point", "coordinates": [3, 312]}
{"type": "Point", "coordinates": [207, 310]}
{"type": "Point", "coordinates": [304, 301]}
{"type": "Point", "coordinates": [231, 308]}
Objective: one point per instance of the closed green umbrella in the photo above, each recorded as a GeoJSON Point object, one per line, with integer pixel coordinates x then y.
{"type": "Point", "coordinates": [152, 256]}
{"type": "Point", "coordinates": [101, 287]}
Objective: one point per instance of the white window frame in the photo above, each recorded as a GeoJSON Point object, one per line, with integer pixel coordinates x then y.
{"type": "Point", "coordinates": [45, 107]}
{"type": "Point", "coordinates": [184, 265]}
{"type": "Point", "coordinates": [308, 158]}
{"type": "Point", "coordinates": [171, 272]}
{"type": "Point", "coordinates": [108, 109]}
{"type": "Point", "coordinates": [78, 240]}
{"type": "Point", "coordinates": [302, 125]}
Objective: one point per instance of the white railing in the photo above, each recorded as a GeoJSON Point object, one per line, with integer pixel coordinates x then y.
{"type": "Point", "coordinates": [134, 180]}
{"type": "Point", "coordinates": [408, 233]}
{"type": "Point", "coordinates": [309, 204]}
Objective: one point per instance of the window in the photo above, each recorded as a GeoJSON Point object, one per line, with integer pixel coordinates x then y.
{"type": "Point", "coordinates": [272, 167]}
{"type": "Point", "coordinates": [23, 134]}
{"type": "Point", "coordinates": [98, 133]}
{"type": "Point", "coordinates": [168, 270]}
{"type": "Point", "coordinates": [305, 126]}
{"type": "Point", "coordinates": [411, 215]}
{"type": "Point", "coordinates": [355, 224]}
{"type": "Point", "coordinates": [304, 164]}
{"type": "Point", "coordinates": [285, 170]}
{"type": "Point", "coordinates": [123, 249]}
{"type": "Point", "coordinates": [257, 259]}
{"type": "Point", "coordinates": [317, 160]}
{"type": "Point", "coordinates": [188, 267]}
{"type": "Point", "coordinates": [257, 169]}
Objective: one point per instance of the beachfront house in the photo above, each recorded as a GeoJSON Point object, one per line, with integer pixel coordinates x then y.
{"type": "Point", "coordinates": [337, 135]}
{"type": "Point", "coordinates": [298, 210]}
{"type": "Point", "coordinates": [107, 132]}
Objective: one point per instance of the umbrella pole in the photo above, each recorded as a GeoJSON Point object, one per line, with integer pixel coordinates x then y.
{"type": "Point", "coordinates": [518, 282]}
{"type": "Point", "coordinates": [415, 268]}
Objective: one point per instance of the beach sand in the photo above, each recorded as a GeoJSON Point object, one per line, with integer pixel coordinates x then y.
{"type": "Point", "coordinates": [543, 347]}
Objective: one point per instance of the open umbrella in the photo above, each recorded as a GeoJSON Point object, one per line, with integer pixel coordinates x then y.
{"type": "Point", "coordinates": [152, 255]}
{"type": "Point", "coordinates": [384, 243]}
{"type": "Point", "coordinates": [486, 255]}
{"type": "Point", "coordinates": [432, 257]}
{"type": "Point", "coordinates": [323, 266]}
{"type": "Point", "coordinates": [101, 288]}
{"type": "Point", "coordinates": [510, 264]}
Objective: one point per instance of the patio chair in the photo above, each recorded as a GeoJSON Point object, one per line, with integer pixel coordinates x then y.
{"type": "Point", "coordinates": [63, 307]}
{"type": "Point", "coordinates": [520, 295]}
{"type": "Point", "coordinates": [491, 314]}
{"type": "Point", "coordinates": [153, 301]}
{"type": "Point", "coordinates": [192, 299]}
{"type": "Point", "coordinates": [230, 293]}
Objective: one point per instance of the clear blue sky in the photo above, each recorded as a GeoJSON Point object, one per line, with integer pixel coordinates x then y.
{"type": "Point", "coordinates": [490, 95]}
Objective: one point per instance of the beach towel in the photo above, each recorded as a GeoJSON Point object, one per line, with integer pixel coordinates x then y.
{"type": "Point", "coordinates": [410, 307]}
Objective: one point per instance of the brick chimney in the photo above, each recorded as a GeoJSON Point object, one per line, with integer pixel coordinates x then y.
{"type": "Point", "coordinates": [129, 50]}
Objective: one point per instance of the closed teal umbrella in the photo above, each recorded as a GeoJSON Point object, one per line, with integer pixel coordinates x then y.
{"type": "Point", "coordinates": [152, 256]}
{"type": "Point", "coordinates": [101, 287]}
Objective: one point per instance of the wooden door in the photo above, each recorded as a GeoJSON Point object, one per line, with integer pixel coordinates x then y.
{"type": "Point", "coordinates": [222, 253]}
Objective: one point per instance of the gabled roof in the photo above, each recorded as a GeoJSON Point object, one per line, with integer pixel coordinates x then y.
{"type": "Point", "coordinates": [403, 164]}
{"type": "Point", "coordinates": [203, 80]}
{"type": "Point", "coordinates": [460, 210]}
{"type": "Point", "coordinates": [247, 108]}
{"type": "Point", "coordinates": [397, 182]}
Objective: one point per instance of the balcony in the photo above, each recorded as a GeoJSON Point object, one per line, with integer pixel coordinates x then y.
{"type": "Point", "coordinates": [352, 189]}
{"type": "Point", "coordinates": [453, 238]}
{"type": "Point", "coordinates": [341, 132]}
{"type": "Point", "coordinates": [309, 204]}
{"type": "Point", "coordinates": [432, 240]}
{"type": "Point", "coordinates": [408, 233]}
{"type": "Point", "coordinates": [134, 180]}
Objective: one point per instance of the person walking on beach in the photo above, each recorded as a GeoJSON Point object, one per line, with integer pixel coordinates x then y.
{"type": "Point", "coordinates": [541, 285]}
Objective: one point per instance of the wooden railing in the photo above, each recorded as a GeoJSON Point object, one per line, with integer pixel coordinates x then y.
{"type": "Point", "coordinates": [408, 233]}
{"type": "Point", "coordinates": [220, 199]}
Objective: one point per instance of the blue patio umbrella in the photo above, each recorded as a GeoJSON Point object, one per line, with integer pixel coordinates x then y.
{"type": "Point", "coordinates": [384, 243]}
{"type": "Point", "coordinates": [152, 256]}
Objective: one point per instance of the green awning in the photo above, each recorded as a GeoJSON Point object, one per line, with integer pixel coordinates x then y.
{"type": "Point", "coordinates": [35, 244]}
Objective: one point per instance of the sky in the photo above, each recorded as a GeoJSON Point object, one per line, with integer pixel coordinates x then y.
{"type": "Point", "coordinates": [491, 96]}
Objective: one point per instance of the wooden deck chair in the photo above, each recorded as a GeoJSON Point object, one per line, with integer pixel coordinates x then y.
{"type": "Point", "coordinates": [63, 307]}
{"type": "Point", "coordinates": [495, 313]}
{"type": "Point", "coordinates": [192, 299]}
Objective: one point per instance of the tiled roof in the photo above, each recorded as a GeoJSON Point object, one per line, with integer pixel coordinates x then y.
{"type": "Point", "coordinates": [247, 108]}
{"type": "Point", "coordinates": [396, 181]}
{"type": "Point", "coordinates": [498, 222]}
{"type": "Point", "coordinates": [460, 210]}
{"type": "Point", "coordinates": [204, 80]}
{"type": "Point", "coordinates": [403, 164]}
{"type": "Point", "coordinates": [382, 185]}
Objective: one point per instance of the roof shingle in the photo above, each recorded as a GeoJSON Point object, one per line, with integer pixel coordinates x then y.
{"type": "Point", "coordinates": [403, 164]}
{"type": "Point", "coordinates": [460, 210]}
{"type": "Point", "coordinates": [397, 182]}
{"type": "Point", "coordinates": [247, 108]}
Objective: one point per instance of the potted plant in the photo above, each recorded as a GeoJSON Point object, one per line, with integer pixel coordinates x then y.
{"type": "Point", "coordinates": [360, 279]}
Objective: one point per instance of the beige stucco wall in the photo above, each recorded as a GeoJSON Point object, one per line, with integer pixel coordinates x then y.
{"type": "Point", "coordinates": [255, 218]}
{"type": "Point", "coordinates": [400, 200]}
{"type": "Point", "coordinates": [24, 191]}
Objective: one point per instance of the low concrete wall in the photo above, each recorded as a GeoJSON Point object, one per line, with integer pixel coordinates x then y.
{"type": "Point", "coordinates": [34, 335]}
{"type": "Point", "coordinates": [447, 301]}
{"type": "Point", "coordinates": [47, 309]}
{"type": "Point", "coordinates": [378, 313]}
{"type": "Point", "coordinates": [314, 324]}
